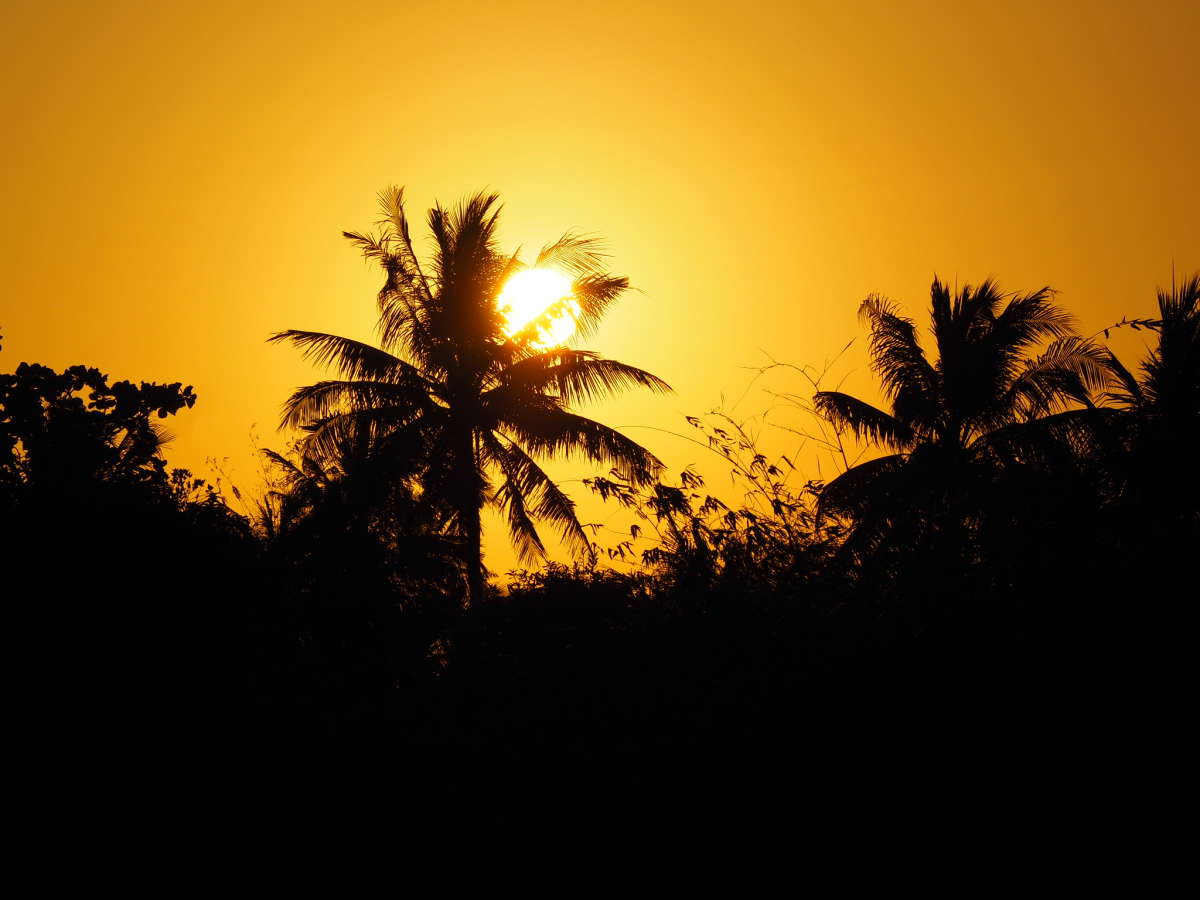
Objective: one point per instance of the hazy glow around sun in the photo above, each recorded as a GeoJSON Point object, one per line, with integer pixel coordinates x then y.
{"type": "Point", "coordinates": [531, 293]}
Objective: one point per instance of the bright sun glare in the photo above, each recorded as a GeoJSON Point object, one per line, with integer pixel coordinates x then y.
{"type": "Point", "coordinates": [533, 292]}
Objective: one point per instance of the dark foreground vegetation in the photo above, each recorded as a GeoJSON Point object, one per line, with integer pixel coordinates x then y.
{"type": "Point", "coordinates": [965, 668]}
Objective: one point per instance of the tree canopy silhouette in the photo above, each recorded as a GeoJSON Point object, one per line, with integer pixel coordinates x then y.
{"type": "Point", "coordinates": [1169, 387]}
{"type": "Point", "coordinates": [984, 402]}
{"type": "Point", "coordinates": [67, 430]}
{"type": "Point", "coordinates": [454, 403]}
{"type": "Point", "coordinates": [1160, 422]}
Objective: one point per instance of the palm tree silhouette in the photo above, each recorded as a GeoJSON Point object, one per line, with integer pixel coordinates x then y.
{"type": "Point", "coordinates": [985, 402]}
{"type": "Point", "coordinates": [1159, 432]}
{"type": "Point", "coordinates": [452, 401]}
{"type": "Point", "coordinates": [1170, 384]}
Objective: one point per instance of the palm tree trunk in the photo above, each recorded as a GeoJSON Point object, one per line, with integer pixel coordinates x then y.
{"type": "Point", "coordinates": [474, 556]}
{"type": "Point", "coordinates": [470, 508]}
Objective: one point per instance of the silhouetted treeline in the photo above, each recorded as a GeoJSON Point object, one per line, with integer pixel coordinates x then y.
{"type": "Point", "coordinates": [121, 579]}
{"type": "Point", "coordinates": [966, 667]}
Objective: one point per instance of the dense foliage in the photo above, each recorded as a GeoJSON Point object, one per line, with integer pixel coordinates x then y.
{"type": "Point", "coordinates": [117, 574]}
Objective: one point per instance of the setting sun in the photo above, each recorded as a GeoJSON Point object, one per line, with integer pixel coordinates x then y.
{"type": "Point", "coordinates": [533, 293]}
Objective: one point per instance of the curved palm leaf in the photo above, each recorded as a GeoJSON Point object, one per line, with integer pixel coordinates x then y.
{"type": "Point", "coordinates": [1070, 370]}
{"type": "Point", "coordinates": [576, 375]}
{"type": "Point", "coordinates": [317, 401]}
{"type": "Point", "coordinates": [595, 293]}
{"type": "Point", "coordinates": [352, 359]}
{"type": "Point", "coordinates": [845, 495]}
{"type": "Point", "coordinates": [391, 203]}
{"type": "Point", "coordinates": [897, 356]}
{"type": "Point", "coordinates": [1127, 391]}
{"type": "Point", "coordinates": [526, 483]}
{"type": "Point", "coordinates": [577, 254]}
{"type": "Point", "coordinates": [335, 436]}
{"type": "Point", "coordinates": [547, 429]}
{"type": "Point", "coordinates": [865, 420]}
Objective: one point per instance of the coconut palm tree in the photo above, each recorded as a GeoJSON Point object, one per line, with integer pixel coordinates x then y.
{"type": "Point", "coordinates": [986, 402]}
{"type": "Point", "coordinates": [1158, 433]}
{"type": "Point", "coordinates": [1170, 384]}
{"type": "Point", "coordinates": [450, 399]}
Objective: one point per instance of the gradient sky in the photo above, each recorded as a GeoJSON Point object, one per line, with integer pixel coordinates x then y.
{"type": "Point", "coordinates": [177, 178]}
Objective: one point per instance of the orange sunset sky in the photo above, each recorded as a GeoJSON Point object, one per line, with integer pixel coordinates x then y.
{"type": "Point", "coordinates": [177, 177]}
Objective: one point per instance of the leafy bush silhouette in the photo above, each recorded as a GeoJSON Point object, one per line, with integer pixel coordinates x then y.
{"type": "Point", "coordinates": [117, 570]}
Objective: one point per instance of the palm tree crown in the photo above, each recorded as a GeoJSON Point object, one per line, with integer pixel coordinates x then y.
{"type": "Point", "coordinates": [1156, 436]}
{"type": "Point", "coordinates": [452, 401]}
{"type": "Point", "coordinates": [1170, 384]}
{"type": "Point", "coordinates": [979, 394]}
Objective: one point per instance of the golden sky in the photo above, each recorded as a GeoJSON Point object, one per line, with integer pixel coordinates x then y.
{"type": "Point", "coordinates": [176, 177]}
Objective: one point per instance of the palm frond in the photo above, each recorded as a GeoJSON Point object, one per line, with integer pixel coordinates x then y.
{"type": "Point", "coordinates": [574, 376]}
{"type": "Point", "coordinates": [851, 491]}
{"type": "Point", "coordinates": [317, 401]}
{"type": "Point", "coordinates": [1048, 439]}
{"type": "Point", "coordinates": [941, 315]}
{"type": "Point", "coordinates": [511, 498]}
{"type": "Point", "coordinates": [542, 496]}
{"type": "Point", "coordinates": [443, 236]}
{"type": "Point", "coordinates": [976, 306]}
{"type": "Point", "coordinates": [407, 323]}
{"type": "Point", "coordinates": [865, 420]}
{"type": "Point", "coordinates": [546, 429]}
{"type": "Point", "coordinates": [346, 432]}
{"type": "Point", "coordinates": [595, 293]}
{"type": "Point", "coordinates": [897, 355]}
{"type": "Point", "coordinates": [1171, 374]}
{"type": "Point", "coordinates": [475, 218]}
{"type": "Point", "coordinates": [161, 437]}
{"type": "Point", "coordinates": [577, 254]}
{"type": "Point", "coordinates": [465, 237]}
{"type": "Point", "coordinates": [406, 298]}
{"type": "Point", "coordinates": [521, 529]}
{"type": "Point", "coordinates": [1026, 321]}
{"type": "Point", "coordinates": [288, 470]}
{"type": "Point", "coordinates": [1070, 369]}
{"type": "Point", "coordinates": [352, 359]}
{"type": "Point", "coordinates": [1181, 303]}
{"type": "Point", "coordinates": [1128, 390]}
{"type": "Point", "coordinates": [391, 203]}
{"type": "Point", "coordinates": [373, 246]}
